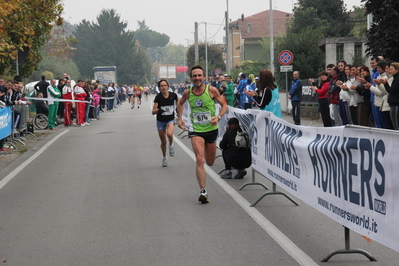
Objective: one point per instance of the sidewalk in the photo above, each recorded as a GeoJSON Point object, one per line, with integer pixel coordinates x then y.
{"type": "Point", "coordinates": [304, 121]}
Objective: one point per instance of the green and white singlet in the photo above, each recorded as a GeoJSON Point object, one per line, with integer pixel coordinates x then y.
{"type": "Point", "coordinates": [202, 111]}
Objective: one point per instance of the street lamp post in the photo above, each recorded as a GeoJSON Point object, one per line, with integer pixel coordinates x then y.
{"type": "Point", "coordinates": [184, 58]}
{"type": "Point", "coordinates": [206, 46]}
{"type": "Point", "coordinates": [206, 53]}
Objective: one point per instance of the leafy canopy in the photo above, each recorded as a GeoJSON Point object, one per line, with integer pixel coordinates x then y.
{"type": "Point", "coordinates": [383, 36]}
{"type": "Point", "coordinates": [106, 42]}
{"type": "Point", "coordinates": [328, 14]}
{"type": "Point", "coordinates": [215, 57]}
{"type": "Point", "coordinates": [26, 26]}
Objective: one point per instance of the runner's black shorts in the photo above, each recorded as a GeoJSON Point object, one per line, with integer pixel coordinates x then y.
{"type": "Point", "coordinates": [209, 137]}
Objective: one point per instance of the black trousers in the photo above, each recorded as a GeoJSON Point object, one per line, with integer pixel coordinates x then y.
{"type": "Point", "coordinates": [296, 112]}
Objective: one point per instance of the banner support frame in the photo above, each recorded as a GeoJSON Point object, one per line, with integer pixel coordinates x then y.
{"type": "Point", "coordinates": [253, 182]}
{"type": "Point", "coordinates": [274, 192]}
{"type": "Point", "coordinates": [348, 250]}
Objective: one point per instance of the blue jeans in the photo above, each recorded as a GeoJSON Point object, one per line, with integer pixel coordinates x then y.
{"type": "Point", "coordinates": [87, 113]}
{"type": "Point", "coordinates": [110, 104]}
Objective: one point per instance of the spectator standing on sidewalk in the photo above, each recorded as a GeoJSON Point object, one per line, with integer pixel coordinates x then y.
{"type": "Point", "coordinates": [60, 86]}
{"type": "Point", "coordinates": [333, 93]}
{"type": "Point", "coordinates": [363, 89]}
{"type": "Point", "coordinates": [229, 91]}
{"type": "Point", "coordinates": [53, 93]}
{"type": "Point", "coordinates": [393, 90]}
{"type": "Point", "coordinates": [80, 95]}
{"type": "Point", "coordinates": [322, 91]}
{"type": "Point", "coordinates": [41, 86]}
{"type": "Point", "coordinates": [67, 94]}
{"type": "Point", "coordinates": [295, 96]}
{"type": "Point", "coordinates": [111, 93]}
{"type": "Point", "coordinates": [267, 97]}
{"type": "Point", "coordinates": [241, 89]}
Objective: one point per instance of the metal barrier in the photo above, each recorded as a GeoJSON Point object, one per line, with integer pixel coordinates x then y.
{"type": "Point", "coordinates": [24, 110]}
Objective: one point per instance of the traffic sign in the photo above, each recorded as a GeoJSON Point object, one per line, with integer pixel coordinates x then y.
{"type": "Point", "coordinates": [286, 68]}
{"type": "Point", "coordinates": [218, 71]}
{"type": "Point", "coordinates": [285, 57]}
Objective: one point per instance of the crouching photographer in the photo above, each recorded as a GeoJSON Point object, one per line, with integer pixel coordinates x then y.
{"type": "Point", "coordinates": [236, 150]}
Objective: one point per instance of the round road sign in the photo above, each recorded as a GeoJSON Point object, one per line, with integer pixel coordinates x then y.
{"type": "Point", "coordinates": [285, 57]}
{"type": "Point", "coordinates": [218, 71]}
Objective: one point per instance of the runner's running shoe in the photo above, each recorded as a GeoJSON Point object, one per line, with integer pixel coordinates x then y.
{"type": "Point", "coordinates": [164, 162]}
{"type": "Point", "coordinates": [203, 197]}
{"type": "Point", "coordinates": [171, 150]}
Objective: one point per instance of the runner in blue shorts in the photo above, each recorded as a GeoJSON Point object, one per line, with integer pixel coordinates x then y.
{"type": "Point", "coordinates": [164, 107]}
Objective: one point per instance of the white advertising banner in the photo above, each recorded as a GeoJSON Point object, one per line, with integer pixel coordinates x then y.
{"type": "Point", "coordinates": [349, 174]}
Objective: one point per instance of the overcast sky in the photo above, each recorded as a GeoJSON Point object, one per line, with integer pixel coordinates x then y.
{"type": "Point", "coordinates": [176, 18]}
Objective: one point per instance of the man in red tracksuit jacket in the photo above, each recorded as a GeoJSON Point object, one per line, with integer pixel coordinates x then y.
{"type": "Point", "coordinates": [67, 93]}
{"type": "Point", "coordinates": [80, 95]}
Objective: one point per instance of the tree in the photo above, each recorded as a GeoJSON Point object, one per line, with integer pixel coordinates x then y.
{"type": "Point", "coordinates": [215, 57]}
{"type": "Point", "coordinates": [60, 45]}
{"type": "Point", "coordinates": [249, 67]}
{"type": "Point", "coordinates": [142, 25]}
{"type": "Point", "coordinates": [25, 27]}
{"type": "Point", "coordinates": [53, 65]}
{"type": "Point", "coordinates": [140, 64]}
{"type": "Point", "coordinates": [329, 14]}
{"type": "Point", "coordinates": [57, 55]}
{"type": "Point", "coordinates": [149, 38]}
{"type": "Point", "coordinates": [174, 54]}
{"type": "Point", "coordinates": [108, 43]}
{"type": "Point", "coordinates": [359, 21]}
{"type": "Point", "coordinates": [304, 46]}
{"type": "Point", "coordinates": [383, 36]}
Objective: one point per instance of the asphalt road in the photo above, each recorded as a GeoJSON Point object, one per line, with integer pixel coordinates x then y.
{"type": "Point", "coordinates": [97, 195]}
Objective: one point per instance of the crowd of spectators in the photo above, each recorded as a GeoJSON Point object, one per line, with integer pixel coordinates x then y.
{"type": "Point", "coordinates": [359, 95]}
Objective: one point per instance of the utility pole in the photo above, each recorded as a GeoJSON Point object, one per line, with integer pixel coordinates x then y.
{"type": "Point", "coordinates": [206, 53]}
{"type": "Point", "coordinates": [196, 56]}
{"type": "Point", "coordinates": [228, 46]}
{"type": "Point", "coordinates": [271, 38]}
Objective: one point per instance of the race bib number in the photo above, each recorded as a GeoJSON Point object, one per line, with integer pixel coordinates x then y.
{"type": "Point", "coordinates": [167, 110]}
{"type": "Point", "coordinates": [202, 118]}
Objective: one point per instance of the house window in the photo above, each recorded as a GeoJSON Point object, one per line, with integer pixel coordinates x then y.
{"type": "Point", "coordinates": [249, 28]}
{"type": "Point", "coordinates": [340, 52]}
{"type": "Point", "coordinates": [358, 50]}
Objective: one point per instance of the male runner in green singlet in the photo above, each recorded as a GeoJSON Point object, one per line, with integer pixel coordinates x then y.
{"type": "Point", "coordinates": [204, 122]}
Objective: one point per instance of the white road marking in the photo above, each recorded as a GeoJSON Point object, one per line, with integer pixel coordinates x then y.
{"type": "Point", "coordinates": [11, 175]}
{"type": "Point", "coordinates": [293, 250]}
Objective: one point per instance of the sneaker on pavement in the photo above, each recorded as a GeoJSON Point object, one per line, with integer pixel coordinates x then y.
{"type": "Point", "coordinates": [240, 174]}
{"type": "Point", "coordinates": [226, 175]}
{"type": "Point", "coordinates": [164, 162]}
{"type": "Point", "coordinates": [203, 196]}
{"type": "Point", "coordinates": [171, 150]}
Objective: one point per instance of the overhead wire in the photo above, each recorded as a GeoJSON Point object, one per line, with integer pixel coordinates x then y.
{"type": "Point", "coordinates": [220, 26]}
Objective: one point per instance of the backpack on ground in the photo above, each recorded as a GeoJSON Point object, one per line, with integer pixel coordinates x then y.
{"type": "Point", "coordinates": [242, 140]}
